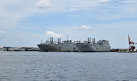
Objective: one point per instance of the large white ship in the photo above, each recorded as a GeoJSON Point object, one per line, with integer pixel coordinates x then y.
{"type": "Point", "coordinates": [52, 46]}
{"type": "Point", "coordinates": [88, 46]}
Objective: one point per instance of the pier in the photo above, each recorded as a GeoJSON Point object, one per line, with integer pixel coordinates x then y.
{"type": "Point", "coordinates": [19, 49]}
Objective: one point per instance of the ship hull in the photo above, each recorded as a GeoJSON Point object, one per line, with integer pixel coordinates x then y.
{"type": "Point", "coordinates": [57, 48]}
{"type": "Point", "coordinates": [48, 48]}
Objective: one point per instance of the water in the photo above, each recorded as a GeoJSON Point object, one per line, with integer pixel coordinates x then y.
{"type": "Point", "coordinates": [68, 66]}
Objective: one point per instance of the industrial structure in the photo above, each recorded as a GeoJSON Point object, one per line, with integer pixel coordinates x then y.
{"type": "Point", "coordinates": [131, 45]}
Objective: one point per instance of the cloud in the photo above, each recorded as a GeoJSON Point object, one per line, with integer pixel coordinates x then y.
{"type": "Point", "coordinates": [52, 34]}
{"type": "Point", "coordinates": [128, 1]}
{"type": "Point", "coordinates": [93, 2]}
{"type": "Point", "coordinates": [85, 27]}
{"type": "Point", "coordinates": [2, 32]}
{"type": "Point", "coordinates": [78, 5]}
{"type": "Point", "coordinates": [44, 4]}
{"type": "Point", "coordinates": [11, 12]}
{"type": "Point", "coordinates": [71, 10]}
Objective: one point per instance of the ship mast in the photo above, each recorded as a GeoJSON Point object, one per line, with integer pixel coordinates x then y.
{"type": "Point", "coordinates": [67, 38]}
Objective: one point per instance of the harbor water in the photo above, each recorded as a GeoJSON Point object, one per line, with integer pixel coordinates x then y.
{"type": "Point", "coordinates": [68, 66]}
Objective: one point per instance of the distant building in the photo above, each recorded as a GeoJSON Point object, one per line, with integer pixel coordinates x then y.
{"type": "Point", "coordinates": [19, 49]}
{"type": "Point", "coordinates": [123, 50]}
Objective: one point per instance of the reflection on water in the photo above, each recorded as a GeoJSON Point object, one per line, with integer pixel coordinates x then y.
{"type": "Point", "coordinates": [59, 66]}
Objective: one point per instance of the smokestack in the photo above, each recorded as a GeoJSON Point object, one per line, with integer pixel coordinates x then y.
{"type": "Point", "coordinates": [51, 39]}
{"type": "Point", "coordinates": [93, 40]}
{"type": "Point", "coordinates": [59, 40]}
{"type": "Point", "coordinates": [89, 40]}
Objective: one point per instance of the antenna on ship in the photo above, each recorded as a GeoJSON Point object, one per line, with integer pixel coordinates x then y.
{"type": "Point", "coordinates": [67, 37]}
{"type": "Point", "coordinates": [79, 40]}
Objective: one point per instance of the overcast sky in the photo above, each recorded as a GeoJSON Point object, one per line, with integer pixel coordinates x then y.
{"type": "Point", "coordinates": [27, 22]}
